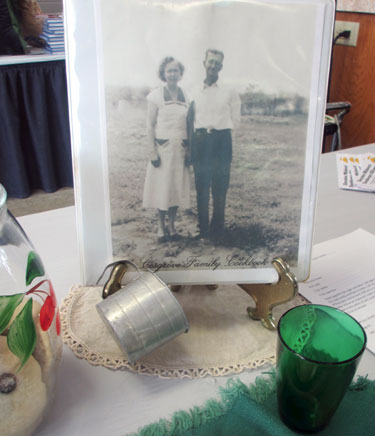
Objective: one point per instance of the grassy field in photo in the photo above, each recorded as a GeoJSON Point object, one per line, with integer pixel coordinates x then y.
{"type": "Point", "coordinates": [263, 202]}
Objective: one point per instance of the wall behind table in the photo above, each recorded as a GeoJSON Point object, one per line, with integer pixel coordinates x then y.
{"type": "Point", "coordinates": [353, 80]}
{"type": "Point", "coordinates": [51, 6]}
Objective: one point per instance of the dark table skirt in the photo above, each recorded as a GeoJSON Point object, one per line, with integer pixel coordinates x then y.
{"type": "Point", "coordinates": [35, 148]}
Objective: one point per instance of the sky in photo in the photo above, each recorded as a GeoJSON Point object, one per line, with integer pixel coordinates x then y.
{"type": "Point", "coordinates": [266, 44]}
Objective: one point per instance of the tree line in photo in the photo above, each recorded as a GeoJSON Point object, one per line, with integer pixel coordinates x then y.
{"type": "Point", "coordinates": [254, 101]}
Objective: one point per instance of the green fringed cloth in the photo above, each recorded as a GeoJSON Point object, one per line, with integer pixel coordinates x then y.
{"type": "Point", "coordinates": [252, 410]}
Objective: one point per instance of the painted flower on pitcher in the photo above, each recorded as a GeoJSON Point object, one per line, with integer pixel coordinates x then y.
{"type": "Point", "coordinates": [49, 308]}
{"type": "Point", "coordinates": [21, 334]}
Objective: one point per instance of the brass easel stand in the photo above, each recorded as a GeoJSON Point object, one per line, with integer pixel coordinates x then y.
{"type": "Point", "coordinates": [267, 296]}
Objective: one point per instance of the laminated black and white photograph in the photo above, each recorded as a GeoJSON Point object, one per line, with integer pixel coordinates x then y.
{"type": "Point", "coordinates": [196, 130]}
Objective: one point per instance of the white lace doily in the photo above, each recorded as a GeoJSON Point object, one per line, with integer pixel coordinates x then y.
{"type": "Point", "coordinates": [222, 338]}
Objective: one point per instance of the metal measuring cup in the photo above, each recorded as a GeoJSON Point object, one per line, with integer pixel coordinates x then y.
{"type": "Point", "coordinates": [143, 314]}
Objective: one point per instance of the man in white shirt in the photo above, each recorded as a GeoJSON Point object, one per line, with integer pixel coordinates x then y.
{"type": "Point", "coordinates": [213, 114]}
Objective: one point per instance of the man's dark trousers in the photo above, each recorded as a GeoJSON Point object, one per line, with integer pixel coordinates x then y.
{"type": "Point", "coordinates": [211, 156]}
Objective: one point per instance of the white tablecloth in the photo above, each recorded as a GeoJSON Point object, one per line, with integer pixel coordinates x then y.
{"type": "Point", "coordinates": [96, 401]}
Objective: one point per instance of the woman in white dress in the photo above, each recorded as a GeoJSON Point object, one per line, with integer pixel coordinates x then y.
{"type": "Point", "coordinates": [167, 184]}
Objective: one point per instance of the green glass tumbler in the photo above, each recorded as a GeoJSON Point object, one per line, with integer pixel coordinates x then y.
{"type": "Point", "coordinates": [318, 351]}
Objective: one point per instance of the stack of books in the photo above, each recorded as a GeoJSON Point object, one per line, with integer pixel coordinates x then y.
{"type": "Point", "coordinates": [53, 33]}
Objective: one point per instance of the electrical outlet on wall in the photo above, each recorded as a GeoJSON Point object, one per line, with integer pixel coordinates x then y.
{"type": "Point", "coordinates": [353, 28]}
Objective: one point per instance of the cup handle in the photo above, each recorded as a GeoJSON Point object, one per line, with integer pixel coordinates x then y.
{"type": "Point", "coordinates": [113, 284]}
